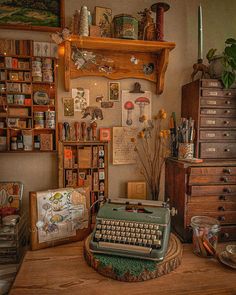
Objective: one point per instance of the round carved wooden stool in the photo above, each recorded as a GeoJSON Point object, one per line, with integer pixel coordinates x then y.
{"type": "Point", "coordinates": [131, 269]}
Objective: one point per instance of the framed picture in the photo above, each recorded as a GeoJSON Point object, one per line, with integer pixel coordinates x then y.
{"type": "Point", "coordinates": [10, 198]}
{"type": "Point", "coordinates": [104, 134]}
{"type": "Point", "coordinates": [68, 106]}
{"type": "Point", "coordinates": [58, 216]}
{"type": "Point", "coordinates": [103, 19]}
{"type": "Point", "coordinates": [114, 91]}
{"type": "Point", "coordinates": [40, 15]}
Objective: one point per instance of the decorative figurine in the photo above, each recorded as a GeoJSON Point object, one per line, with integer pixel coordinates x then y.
{"type": "Point", "coordinates": [76, 126]}
{"type": "Point", "coordinates": [160, 8]}
{"type": "Point", "coordinates": [147, 26]}
{"type": "Point", "coordinates": [89, 129]}
{"type": "Point", "coordinates": [83, 132]}
{"type": "Point", "coordinates": [94, 130]}
{"type": "Point", "coordinates": [67, 131]}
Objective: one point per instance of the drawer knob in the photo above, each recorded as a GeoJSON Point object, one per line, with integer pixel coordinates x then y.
{"type": "Point", "coordinates": [227, 150]}
{"type": "Point", "coordinates": [222, 198]}
{"type": "Point", "coordinates": [226, 134]}
{"type": "Point", "coordinates": [227, 170]}
{"type": "Point", "coordinates": [227, 111]}
{"type": "Point", "coordinates": [226, 122]}
{"type": "Point", "coordinates": [225, 235]}
{"type": "Point", "coordinates": [227, 102]}
{"type": "Point", "coordinates": [221, 208]}
{"type": "Point", "coordinates": [224, 178]}
{"type": "Point", "coordinates": [227, 190]}
{"type": "Point", "coordinates": [221, 218]}
{"type": "Point", "coordinates": [228, 93]}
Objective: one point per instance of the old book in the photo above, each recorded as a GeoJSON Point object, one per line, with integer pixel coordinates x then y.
{"type": "Point", "coordinates": [84, 157]}
{"type": "Point", "coordinates": [46, 142]}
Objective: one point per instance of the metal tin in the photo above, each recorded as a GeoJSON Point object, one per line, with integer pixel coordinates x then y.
{"type": "Point", "coordinates": [125, 26]}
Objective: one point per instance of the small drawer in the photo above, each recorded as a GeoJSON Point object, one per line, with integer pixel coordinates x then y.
{"type": "Point", "coordinates": [223, 218]}
{"type": "Point", "coordinates": [211, 179]}
{"type": "Point", "coordinates": [224, 170]}
{"type": "Point", "coordinates": [219, 150]}
{"type": "Point", "coordinates": [227, 233]}
{"type": "Point", "coordinates": [219, 112]}
{"type": "Point", "coordinates": [211, 84]}
{"type": "Point", "coordinates": [215, 198]}
{"type": "Point", "coordinates": [218, 207]}
{"type": "Point", "coordinates": [212, 134]}
{"type": "Point", "coordinates": [217, 122]}
{"type": "Point", "coordinates": [219, 92]}
{"type": "Point", "coordinates": [198, 190]}
{"type": "Point", "coordinates": [218, 102]}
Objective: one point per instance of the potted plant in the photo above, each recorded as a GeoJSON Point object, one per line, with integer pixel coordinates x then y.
{"type": "Point", "coordinates": [223, 66]}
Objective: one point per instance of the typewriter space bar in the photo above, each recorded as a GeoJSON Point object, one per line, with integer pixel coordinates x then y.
{"type": "Point", "coordinates": [125, 247]}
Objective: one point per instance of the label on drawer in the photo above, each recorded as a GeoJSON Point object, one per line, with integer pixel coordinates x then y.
{"type": "Point", "coordinates": [211, 149]}
{"type": "Point", "coordinates": [211, 102]}
{"type": "Point", "coordinates": [213, 93]}
{"type": "Point", "coordinates": [210, 122]}
{"type": "Point", "coordinates": [211, 112]}
{"type": "Point", "coordinates": [210, 135]}
{"type": "Point", "coordinates": [213, 84]}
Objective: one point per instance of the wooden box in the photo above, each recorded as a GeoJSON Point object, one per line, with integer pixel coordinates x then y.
{"type": "Point", "coordinates": [137, 190]}
{"type": "Point", "coordinates": [46, 142]}
{"type": "Point", "coordinates": [18, 112]}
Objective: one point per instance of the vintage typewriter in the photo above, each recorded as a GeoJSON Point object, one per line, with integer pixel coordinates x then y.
{"type": "Point", "coordinates": [132, 228]}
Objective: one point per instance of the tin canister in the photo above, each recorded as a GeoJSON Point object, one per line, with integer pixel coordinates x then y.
{"type": "Point", "coordinates": [19, 99]}
{"type": "Point", "coordinates": [50, 119]}
{"type": "Point", "coordinates": [125, 26]}
{"type": "Point", "coordinates": [47, 64]}
{"type": "Point", "coordinates": [48, 76]}
{"type": "Point", "coordinates": [38, 119]}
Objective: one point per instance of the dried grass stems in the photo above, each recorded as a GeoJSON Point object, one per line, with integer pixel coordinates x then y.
{"type": "Point", "coordinates": [152, 148]}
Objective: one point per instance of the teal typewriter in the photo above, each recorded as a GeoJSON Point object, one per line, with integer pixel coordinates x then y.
{"type": "Point", "coordinates": [132, 229]}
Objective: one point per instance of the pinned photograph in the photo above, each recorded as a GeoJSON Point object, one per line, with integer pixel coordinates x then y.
{"type": "Point", "coordinates": [104, 134]}
{"type": "Point", "coordinates": [81, 98]}
{"type": "Point", "coordinates": [68, 106]}
{"type": "Point", "coordinates": [103, 19]}
{"type": "Point", "coordinates": [114, 91]}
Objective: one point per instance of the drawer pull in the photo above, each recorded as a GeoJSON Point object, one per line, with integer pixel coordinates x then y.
{"type": "Point", "coordinates": [227, 190]}
{"type": "Point", "coordinates": [227, 111]}
{"type": "Point", "coordinates": [221, 208]}
{"type": "Point", "coordinates": [221, 218]}
{"type": "Point", "coordinates": [226, 134]}
{"type": "Point", "coordinates": [226, 122]}
{"type": "Point", "coordinates": [228, 93]}
{"type": "Point", "coordinates": [227, 150]}
{"type": "Point", "coordinates": [225, 235]}
{"type": "Point", "coordinates": [227, 170]}
{"type": "Point", "coordinates": [227, 102]}
{"type": "Point", "coordinates": [222, 198]}
{"type": "Point", "coordinates": [224, 178]}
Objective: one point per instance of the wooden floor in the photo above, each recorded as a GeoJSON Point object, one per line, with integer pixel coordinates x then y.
{"type": "Point", "coordinates": [63, 270]}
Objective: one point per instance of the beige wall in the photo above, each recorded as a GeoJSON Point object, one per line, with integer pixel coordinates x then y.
{"type": "Point", "coordinates": [39, 171]}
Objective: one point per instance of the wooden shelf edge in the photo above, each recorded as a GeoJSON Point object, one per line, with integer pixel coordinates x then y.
{"type": "Point", "coordinates": [121, 44]}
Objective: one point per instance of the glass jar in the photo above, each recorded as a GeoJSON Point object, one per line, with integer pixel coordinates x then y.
{"type": "Point", "coordinates": [205, 235]}
{"type": "Point", "coordinates": [13, 143]}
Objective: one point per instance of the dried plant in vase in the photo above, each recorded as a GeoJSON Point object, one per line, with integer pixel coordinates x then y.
{"type": "Point", "coordinates": [152, 148]}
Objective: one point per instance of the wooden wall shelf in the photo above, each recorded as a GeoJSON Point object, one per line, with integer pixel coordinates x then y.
{"type": "Point", "coordinates": [117, 54]}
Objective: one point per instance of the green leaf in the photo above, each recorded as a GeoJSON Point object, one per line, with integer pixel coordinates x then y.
{"type": "Point", "coordinates": [232, 63]}
{"type": "Point", "coordinates": [228, 78]}
{"type": "Point", "coordinates": [230, 41]}
{"type": "Point", "coordinates": [231, 51]}
{"type": "Point", "coordinates": [210, 54]}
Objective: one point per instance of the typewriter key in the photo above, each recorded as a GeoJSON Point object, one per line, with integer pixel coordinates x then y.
{"type": "Point", "coordinates": [145, 225]}
{"type": "Point", "coordinates": [132, 230]}
{"type": "Point", "coordinates": [140, 225]}
{"type": "Point", "coordinates": [150, 226]}
{"type": "Point", "coordinates": [127, 229]}
{"type": "Point", "coordinates": [122, 223]}
{"type": "Point", "coordinates": [136, 224]}
{"type": "Point", "coordinates": [148, 237]}
{"type": "Point", "coordinates": [132, 235]}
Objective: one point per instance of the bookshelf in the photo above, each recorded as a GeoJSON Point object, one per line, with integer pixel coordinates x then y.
{"type": "Point", "coordinates": [28, 98]}
{"type": "Point", "coordinates": [84, 164]}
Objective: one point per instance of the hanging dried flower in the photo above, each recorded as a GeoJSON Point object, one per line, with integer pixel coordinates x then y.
{"type": "Point", "coordinates": [152, 148]}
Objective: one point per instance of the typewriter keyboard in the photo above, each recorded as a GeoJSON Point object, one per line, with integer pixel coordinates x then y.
{"type": "Point", "coordinates": [128, 235]}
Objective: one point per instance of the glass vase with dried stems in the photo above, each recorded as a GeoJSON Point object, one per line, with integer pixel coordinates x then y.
{"type": "Point", "coordinates": [153, 147]}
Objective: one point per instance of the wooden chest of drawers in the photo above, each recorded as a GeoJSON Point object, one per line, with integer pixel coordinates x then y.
{"type": "Point", "coordinates": [206, 189]}
{"type": "Point", "coordinates": [214, 111]}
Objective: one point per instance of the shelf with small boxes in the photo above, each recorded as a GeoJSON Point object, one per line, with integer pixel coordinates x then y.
{"type": "Point", "coordinates": [85, 164]}
{"type": "Point", "coordinates": [28, 98]}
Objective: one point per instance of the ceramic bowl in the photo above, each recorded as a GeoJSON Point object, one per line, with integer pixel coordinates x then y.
{"type": "Point", "coordinates": [231, 252]}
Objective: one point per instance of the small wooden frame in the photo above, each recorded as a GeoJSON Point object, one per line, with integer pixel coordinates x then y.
{"type": "Point", "coordinates": [80, 234]}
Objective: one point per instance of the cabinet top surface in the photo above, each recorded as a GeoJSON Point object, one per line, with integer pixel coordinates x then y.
{"type": "Point", "coordinates": [205, 163]}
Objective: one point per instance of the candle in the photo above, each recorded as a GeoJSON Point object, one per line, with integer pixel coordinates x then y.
{"type": "Point", "coordinates": [200, 34]}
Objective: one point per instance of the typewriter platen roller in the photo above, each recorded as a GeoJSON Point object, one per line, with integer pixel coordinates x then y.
{"type": "Point", "coordinates": [132, 228]}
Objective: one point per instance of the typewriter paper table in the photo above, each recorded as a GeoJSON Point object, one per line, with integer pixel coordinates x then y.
{"type": "Point", "coordinates": [135, 270]}
{"type": "Point", "coordinates": [63, 270]}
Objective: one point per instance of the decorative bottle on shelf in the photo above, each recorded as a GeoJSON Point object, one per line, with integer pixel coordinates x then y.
{"type": "Point", "coordinates": [84, 26]}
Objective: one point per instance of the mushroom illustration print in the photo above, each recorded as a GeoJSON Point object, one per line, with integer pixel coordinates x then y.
{"type": "Point", "coordinates": [129, 106]}
{"type": "Point", "coordinates": [142, 101]}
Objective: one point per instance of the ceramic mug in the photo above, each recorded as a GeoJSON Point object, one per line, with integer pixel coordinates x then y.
{"type": "Point", "coordinates": [185, 151]}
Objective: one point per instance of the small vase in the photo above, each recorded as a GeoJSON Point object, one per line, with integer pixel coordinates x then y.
{"type": "Point", "coordinates": [216, 67]}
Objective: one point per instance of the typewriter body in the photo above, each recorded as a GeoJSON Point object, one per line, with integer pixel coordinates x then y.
{"type": "Point", "coordinates": [132, 229]}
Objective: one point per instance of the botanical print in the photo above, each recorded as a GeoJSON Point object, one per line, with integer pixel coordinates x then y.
{"type": "Point", "coordinates": [114, 91]}
{"type": "Point", "coordinates": [10, 197]}
{"type": "Point", "coordinates": [103, 19]}
{"type": "Point", "coordinates": [30, 12]}
{"type": "Point", "coordinates": [81, 98]}
{"type": "Point", "coordinates": [60, 214]}
{"type": "Point", "coordinates": [136, 107]}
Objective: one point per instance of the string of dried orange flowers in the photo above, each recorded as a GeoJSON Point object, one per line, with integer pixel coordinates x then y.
{"type": "Point", "coordinates": [152, 148]}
